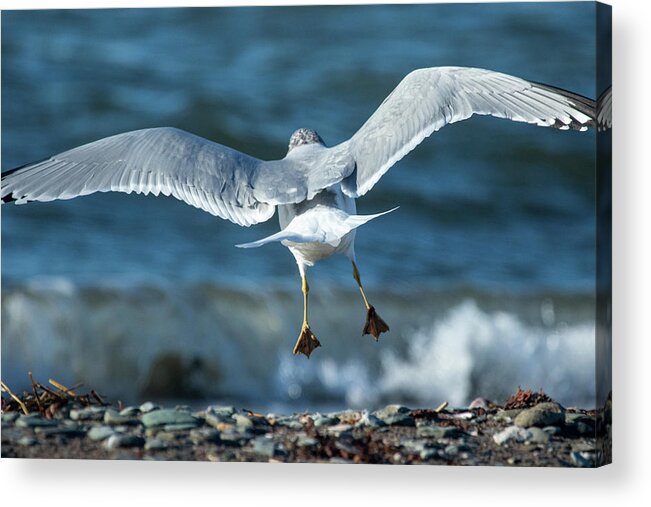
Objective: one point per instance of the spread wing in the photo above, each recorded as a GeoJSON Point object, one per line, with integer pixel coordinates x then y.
{"type": "Point", "coordinates": [428, 99]}
{"type": "Point", "coordinates": [155, 161]}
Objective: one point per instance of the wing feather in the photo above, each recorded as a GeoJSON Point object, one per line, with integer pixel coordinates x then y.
{"type": "Point", "coordinates": [428, 99]}
{"type": "Point", "coordinates": [156, 161]}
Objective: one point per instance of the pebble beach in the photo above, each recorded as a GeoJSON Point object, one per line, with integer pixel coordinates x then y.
{"type": "Point", "coordinates": [545, 434]}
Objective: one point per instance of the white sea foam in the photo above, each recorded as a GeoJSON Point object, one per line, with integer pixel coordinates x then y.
{"type": "Point", "coordinates": [217, 342]}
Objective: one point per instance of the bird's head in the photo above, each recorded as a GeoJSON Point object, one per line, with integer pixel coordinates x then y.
{"type": "Point", "coordinates": [304, 136]}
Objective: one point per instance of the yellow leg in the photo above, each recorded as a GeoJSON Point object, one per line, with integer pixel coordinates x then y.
{"type": "Point", "coordinates": [306, 290]}
{"type": "Point", "coordinates": [306, 342]}
{"type": "Point", "coordinates": [359, 283]}
{"type": "Point", "coordinates": [374, 326]}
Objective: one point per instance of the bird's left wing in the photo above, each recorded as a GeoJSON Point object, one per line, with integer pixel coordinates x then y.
{"type": "Point", "coordinates": [155, 161]}
{"type": "Point", "coordinates": [428, 99]}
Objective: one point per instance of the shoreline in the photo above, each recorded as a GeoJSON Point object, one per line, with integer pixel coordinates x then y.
{"type": "Point", "coordinates": [536, 434]}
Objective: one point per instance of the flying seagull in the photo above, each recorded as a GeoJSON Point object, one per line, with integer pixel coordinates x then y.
{"type": "Point", "coordinates": [315, 186]}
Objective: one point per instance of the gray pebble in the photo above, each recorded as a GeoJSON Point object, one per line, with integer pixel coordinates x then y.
{"type": "Point", "coordinates": [264, 446]}
{"type": "Point", "coordinates": [163, 417]}
{"type": "Point", "coordinates": [370, 421]}
{"type": "Point", "coordinates": [155, 444]}
{"type": "Point", "coordinates": [130, 411]}
{"type": "Point", "coordinates": [33, 421]}
{"type": "Point", "coordinates": [511, 434]}
{"type": "Point", "coordinates": [537, 436]}
{"type": "Point", "coordinates": [439, 432]}
{"type": "Point", "coordinates": [399, 419]}
{"type": "Point", "coordinates": [204, 435]}
{"type": "Point", "coordinates": [552, 430]}
{"type": "Point", "coordinates": [9, 417]}
{"type": "Point", "coordinates": [148, 406]}
{"type": "Point", "coordinates": [324, 420]}
{"type": "Point", "coordinates": [115, 418]}
{"type": "Point", "coordinates": [391, 410]}
{"type": "Point", "coordinates": [541, 415]}
{"type": "Point", "coordinates": [87, 414]}
{"type": "Point", "coordinates": [220, 411]}
{"type": "Point", "coordinates": [98, 433]}
{"type": "Point", "coordinates": [118, 441]}
{"type": "Point", "coordinates": [63, 432]}
{"type": "Point", "coordinates": [27, 441]}
{"type": "Point", "coordinates": [305, 441]}
{"type": "Point", "coordinates": [179, 427]}
{"type": "Point", "coordinates": [243, 422]}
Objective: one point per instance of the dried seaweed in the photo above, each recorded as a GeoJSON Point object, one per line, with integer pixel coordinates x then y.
{"type": "Point", "coordinates": [526, 399]}
{"type": "Point", "coordinates": [47, 400]}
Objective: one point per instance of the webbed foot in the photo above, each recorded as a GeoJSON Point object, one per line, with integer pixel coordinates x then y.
{"type": "Point", "coordinates": [374, 324]}
{"type": "Point", "coordinates": [306, 342]}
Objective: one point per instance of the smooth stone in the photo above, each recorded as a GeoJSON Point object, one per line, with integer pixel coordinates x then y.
{"type": "Point", "coordinates": [342, 445]}
{"type": "Point", "coordinates": [87, 414]}
{"type": "Point", "coordinates": [168, 436]}
{"type": "Point", "coordinates": [455, 450]}
{"type": "Point", "coordinates": [414, 446]}
{"type": "Point", "coordinates": [99, 433]}
{"type": "Point", "coordinates": [306, 441]}
{"type": "Point", "coordinates": [439, 432]}
{"type": "Point", "coordinates": [130, 411]}
{"type": "Point", "coordinates": [537, 435]}
{"type": "Point", "coordinates": [34, 421]}
{"type": "Point", "coordinates": [148, 406]}
{"type": "Point", "coordinates": [64, 432]}
{"type": "Point", "coordinates": [179, 427]}
{"type": "Point", "coordinates": [235, 436]}
{"type": "Point", "coordinates": [165, 416]}
{"type": "Point", "coordinates": [541, 415]}
{"type": "Point", "coordinates": [289, 422]}
{"type": "Point", "coordinates": [552, 430]}
{"type": "Point", "coordinates": [219, 411]}
{"type": "Point", "coordinates": [120, 441]}
{"type": "Point", "coordinates": [264, 446]}
{"type": "Point", "coordinates": [324, 420]}
{"type": "Point", "coordinates": [399, 419]}
{"type": "Point", "coordinates": [339, 429]}
{"type": "Point", "coordinates": [218, 421]}
{"type": "Point", "coordinates": [243, 422]}
{"type": "Point", "coordinates": [113, 418]}
{"type": "Point", "coordinates": [155, 444]}
{"type": "Point", "coordinates": [512, 434]}
{"type": "Point", "coordinates": [27, 441]}
{"type": "Point", "coordinates": [391, 410]}
{"type": "Point", "coordinates": [370, 421]}
{"type": "Point", "coordinates": [9, 417]}
{"type": "Point", "coordinates": [204, 435]}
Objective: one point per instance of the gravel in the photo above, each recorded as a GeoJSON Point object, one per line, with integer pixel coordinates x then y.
{"type": "Point", "coordinates": [543, 435]}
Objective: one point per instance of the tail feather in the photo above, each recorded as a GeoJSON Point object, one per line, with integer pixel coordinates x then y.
{"type": "Point", "coordinates": [317, 227]}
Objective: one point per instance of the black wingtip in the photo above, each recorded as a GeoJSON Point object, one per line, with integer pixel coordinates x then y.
{"type": "Point", "coordinates": [583, 104]}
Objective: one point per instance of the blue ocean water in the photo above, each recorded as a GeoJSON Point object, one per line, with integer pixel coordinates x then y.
{"type": "Point", "coordinates": [485, 273]}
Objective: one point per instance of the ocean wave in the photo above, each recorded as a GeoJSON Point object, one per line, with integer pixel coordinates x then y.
{"type": "Point", "coordinates": [234, 343]}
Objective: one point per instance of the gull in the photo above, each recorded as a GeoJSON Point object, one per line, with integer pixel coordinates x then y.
{"type": "Point", "coordinates": [314, 187]}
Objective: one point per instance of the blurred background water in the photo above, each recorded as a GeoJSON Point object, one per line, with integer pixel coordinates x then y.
{"type": "Point", "coordinates": [485, 273]}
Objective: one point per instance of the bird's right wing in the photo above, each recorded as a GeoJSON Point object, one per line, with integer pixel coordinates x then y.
{"type": "Point", "coordinates": [155, 161]}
